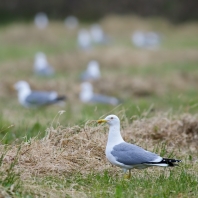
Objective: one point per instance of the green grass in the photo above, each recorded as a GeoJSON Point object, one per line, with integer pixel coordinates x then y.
{"type": "Point", "coordinates": [166, 183]}
{"type": "Point", "coordinates": [10, 182]}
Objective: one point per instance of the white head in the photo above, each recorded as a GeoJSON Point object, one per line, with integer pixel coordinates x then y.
{"type": "Point", "coordinates": [112, 120]}
{"type": "Point", "coordinates": [21, 85]}
{"type": "Point", "coordinates": [23, 89]}
{"type": "Point", "coordinates": [152, 38]}
{"type": "Point", "coordinates": [86, 92]}
{"type": "Point", "coordinates": [93, 68]}
{"type": "Point", "coordinates": [97, 33]}
{"type": "Point", "coordinates": [41, 20]}
{"type": "Point", "coordinates": [114, 131]}
{"type": "Point", "coordinates": [40, 61]}
{"type": "Point", "coordinates": [138, 38]}
{"type": "Point", "coordinates": [71, 22]}
{"type": "Point", "coordinates": [84, 39]}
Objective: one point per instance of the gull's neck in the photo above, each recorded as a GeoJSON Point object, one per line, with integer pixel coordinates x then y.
{"type": "Point", "coordinates": [114, 136]}
{"type": "Point", "coordinates": [23, 93]}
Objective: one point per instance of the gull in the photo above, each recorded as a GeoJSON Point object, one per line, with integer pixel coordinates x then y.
{"type": "Point", "coordinates": [97, 34]}
{"type": "Point", "coordinates": [148, 40]}
{"type": "Point", "coordinates": [41, 20]}
{"type": "Point", "coordinates": [29, 98]}
{"type": "Point", "coordinates": [84, 39]}
{"type": "Point", "coordinates": [92, 72]}
{"type": "Point", "coordinates": [128, 156]}
{"type": "Point", "coordinates": [88, 96]}
{"type": "Point", "coordinates": [71, 22]}
{"type": "Point", "coordinates": [41, 65]}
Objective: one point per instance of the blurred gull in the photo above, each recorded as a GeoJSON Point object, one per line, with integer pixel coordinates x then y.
{"type": "Point", "coordinates": [41, 66]}
{"type": "Point", "coordinates": [92, 72]}
{"type": "Point", "coordinates": [84, 39]}
{"type": "Point", "coordinates": [71, 22]}
{"type": "Point", "coordinates": [87, 96]}
{"type": "Point", "coordinates": [97, 34]}
{"type": "Point", "coordinates": [41, 20]}
{"type": "Point", "coordinates": [29, 98]}
{"type": "Point", "coordinates": [146, 39]}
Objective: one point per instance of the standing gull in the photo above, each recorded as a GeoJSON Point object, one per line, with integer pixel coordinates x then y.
{"type": "Point", "coordinates": [97, 34]}
{"type": "Point", "coordinates": [41, 65]}
{"type": "Point", "coordinates": [84, 39]}
{"type": "Point", "coordinates": [41, 20]}
{"type": "Point", "coordinates": [126, 155]}
{"type": "Point", "coordinates": [88, 96]}
{"type": "Point", "coordinates": [71, 22]}
{"type": "Point", "coordinates": [149, 40]}
{"type": "Point", "coordinates": [29, 98]}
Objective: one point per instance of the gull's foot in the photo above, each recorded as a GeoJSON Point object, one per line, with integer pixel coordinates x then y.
{"type": "Point", "coordinates": [127, 176]}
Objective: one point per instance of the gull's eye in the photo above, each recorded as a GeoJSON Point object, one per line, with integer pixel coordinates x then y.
{"type": "Point", "coordinates": [111, 117]}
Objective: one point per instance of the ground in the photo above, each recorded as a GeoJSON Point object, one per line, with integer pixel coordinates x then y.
{"type": "Point", "coordinates": [45, 152]}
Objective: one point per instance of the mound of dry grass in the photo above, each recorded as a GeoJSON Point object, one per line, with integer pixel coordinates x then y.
{"type": "Point", "coordinates": [81, 149]}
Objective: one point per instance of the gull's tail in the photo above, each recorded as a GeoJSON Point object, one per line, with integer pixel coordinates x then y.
{"type": "Point", "coordinates": [165, 162]}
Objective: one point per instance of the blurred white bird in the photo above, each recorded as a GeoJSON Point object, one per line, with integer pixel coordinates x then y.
{"type": "Point", "coordinates": [146, 39]}
{"type": "Point", "coordinates": [41, 20]}
{"type": "Point", "coordinates": [29, 98]}
{"type": "Point", "coordinates": [92, 72]}
{"type": "Point", "coordinates": [84, 39]}
{"type": "Point", "coordinates": [97, 34]}
{"type": "Point", "coordinates": [88, 96]}
{"type": "Point", "coordinates": [41, 65]}
{"type": "Point", "coordinates": [71, 22]}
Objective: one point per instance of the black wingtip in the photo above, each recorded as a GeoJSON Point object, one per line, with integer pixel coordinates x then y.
{"type": "Point", "coordinates": [61, 98]}
{"type": "Point", "coordinates": [171, 162]}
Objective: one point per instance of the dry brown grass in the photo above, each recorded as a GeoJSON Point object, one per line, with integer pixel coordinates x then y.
{"type": "Point", "coordinates": [71, 150]}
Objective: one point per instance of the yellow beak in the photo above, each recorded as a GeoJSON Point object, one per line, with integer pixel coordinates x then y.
{"type": "Point", "coordinates": [102, 120]}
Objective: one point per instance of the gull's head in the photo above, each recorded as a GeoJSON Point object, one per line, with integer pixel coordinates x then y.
{"type": "Point", "coordinates": [93, 68]}
{"type": "Point", "coordinates": [96, 33]}
{"type": "Point", "coordinates": [71, 22]}
{"type": "Point", "coordinates": [138, 38]}
{"type": "Point", "coordinates": [112, 120]}
{"type": "Point", "coordinates": [84, 38]}
{"type": "Point", "coordinates": [86, 91]}
{"type": "Point", "coordinates": [21, 86]}
{"type": "Point", "coordinates": [41, 20]}
{"type": "Point", "coordinates": [40, 61]}
{"type": "Point", "coordinates": [40, 55]}
{"type": "Point", "coordinates": [93, 64]}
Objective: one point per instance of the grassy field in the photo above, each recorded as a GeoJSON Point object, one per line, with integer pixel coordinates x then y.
{"type": "Point", "coordinates": [48, 154]}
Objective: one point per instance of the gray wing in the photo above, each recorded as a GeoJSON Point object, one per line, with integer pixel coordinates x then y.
{"type": "Point", "coordinates": [130, 154]}
{"type": "Point", "coordinates": [98, 98]}
{"type": "Point", "coordinates": [40, 98]}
